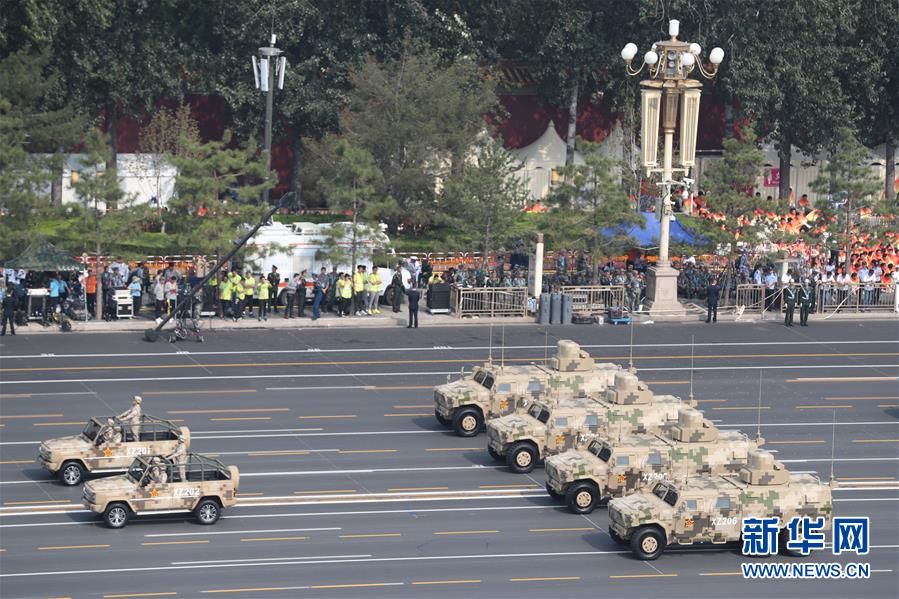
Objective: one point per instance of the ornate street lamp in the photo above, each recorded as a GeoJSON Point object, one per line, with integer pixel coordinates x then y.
{"type": "Point", "coordinates": [268, 69]}
{"type": "Point", "coordinates": [669, 64]}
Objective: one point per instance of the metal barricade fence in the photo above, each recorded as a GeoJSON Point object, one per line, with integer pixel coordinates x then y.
{"type": "Point", "coordinates": [489, 301]}
{"type": "Point", "coordinates": [594, 299]}
{"type": "Point", "coordinates": [856, 297]}
{"type": "Point", "coordinates": [753, 298]}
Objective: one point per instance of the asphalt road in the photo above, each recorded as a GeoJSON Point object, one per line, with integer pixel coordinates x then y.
{"type": "Point", "coordinates": [349, 487]}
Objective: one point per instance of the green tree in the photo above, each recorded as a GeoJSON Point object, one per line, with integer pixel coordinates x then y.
{"type": "Point", "coordinates": [588, 200]}
{"type": "Point", "coordinates": [850, 185]}
{"type": "Point", "coordinates": [488, 197]}
{"type": "Point", "coordinates": [418, 116]}
{"type": "Point", "coordinates": [215, 194]}
{"type": "Point", "coordinates": [729, 183]}
{"type": "Point", "coordinates": [108, 216]}
{"type": "Point", "coordinates": [350, 183]}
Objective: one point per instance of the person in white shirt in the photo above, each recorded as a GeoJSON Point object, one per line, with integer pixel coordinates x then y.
{"type": "Point", "coordinates": [826, 283]}
{"type": "Point", "coordinates": [770, 289]}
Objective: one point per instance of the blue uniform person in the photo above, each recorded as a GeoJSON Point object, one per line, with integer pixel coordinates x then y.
{"type": "Point", "coordinates": [9, 304]}
{"type": "Point", "coordinates": [317, 295]}
{"type": "Point", "coordinates": [712, 294]}
{"type": "Point", "coordinates": [414, 296]}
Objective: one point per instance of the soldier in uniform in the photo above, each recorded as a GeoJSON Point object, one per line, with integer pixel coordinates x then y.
{"type": "Point", "coordinates": [109, 433]}
{"type": "Point", "coordinates": [179, 458]}
{"type": "Point", "coordinates": [132, 416]}
{"type": "Point", "coordinates": [712, 293]}
{"type": "Point", "coordinates": [158, 471]}
{"type": "Point", "coordinates": [805, 303]}
{"type": "Point", "coordinates": [789, 303]}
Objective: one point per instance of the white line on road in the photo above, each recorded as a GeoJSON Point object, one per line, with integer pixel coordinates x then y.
{"type": "Point", "coordinates": [406, 374]}
{"type": "Point", "coordinates": [443, 349]}
{"type": "Point", "coordinates": [238, 532]}
{"type": "Point", "coordinates": [369, 470]}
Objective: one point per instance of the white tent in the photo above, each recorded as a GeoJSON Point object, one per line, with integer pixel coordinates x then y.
{"type": "Point", "coordinates": [540, 159]}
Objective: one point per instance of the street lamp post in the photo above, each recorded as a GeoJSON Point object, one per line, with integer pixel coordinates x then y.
{"type": "Point", "coordinates": [268, 69]}
{"type": "Point", "coordinates": [669, 64]}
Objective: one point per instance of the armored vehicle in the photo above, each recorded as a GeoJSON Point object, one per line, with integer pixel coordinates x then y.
{"type": "Point", "coordinates": [494, 390]}
{"type": "Point", "coordinates": [710, 508]}
{"type": "Point", "coordinates": [613, 467]}
{"type": "Point", "coordinates": [197, 484]}
{"type": "Point", "coordinates": [549, 428]}
{"type": "Point", "coordinates": [104, 448]}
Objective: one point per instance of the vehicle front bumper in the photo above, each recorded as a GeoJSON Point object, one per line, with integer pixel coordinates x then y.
{"type": "Point", "coordinates": [89, 501]}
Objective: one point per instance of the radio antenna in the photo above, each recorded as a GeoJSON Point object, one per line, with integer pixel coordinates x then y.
{"type": "Point", "coordinates": [833, 445]}
{"type": "Point", "coordinates": [630, 362]}
{"type": "Point", "coordinates": [691, 398]}
{"type": "Point", "coordinates": [758, 430]}
{"type": "Point", "coordinates": [490, 346]}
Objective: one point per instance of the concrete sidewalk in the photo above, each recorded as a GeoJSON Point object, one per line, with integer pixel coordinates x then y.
{"type": "Point", "coordinates": [389, 319]}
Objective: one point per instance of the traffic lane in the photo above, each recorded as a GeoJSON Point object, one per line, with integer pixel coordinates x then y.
{"type": "Point", "coordinates": [117, 369]}
{"type": "Point", "coordinates": [464, 333]}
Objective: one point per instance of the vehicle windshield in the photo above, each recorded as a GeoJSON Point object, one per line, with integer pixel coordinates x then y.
{"type": "Point", "coordinates": [483, 378]}
{"type": "Point", "coordinates": [600, 450]}
{"type": "Point", "coordinates": [539, 412]}
{"type": "Point", "coordinates": [90, 430]}
{"type": "Point", "coordinates": [665, 493]}
{"type": "Point", "coordinates": [136, 471]}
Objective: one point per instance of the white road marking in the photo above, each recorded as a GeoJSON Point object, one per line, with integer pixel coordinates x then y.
{"type": "Point", "coordinates": [445, 348]}
{"type": "Point", "coordinates": [257, 430]}
{"type": "Point", "coordinates": [346, 433]}
{"type": "Point", "coordinates": [406, 374]}
{"type": "Point", "coordinates": [239, 532]}
{"type": "Point", "coordinates": [314, 388]}
{"type": "Point", "coordinates": [368, 470]}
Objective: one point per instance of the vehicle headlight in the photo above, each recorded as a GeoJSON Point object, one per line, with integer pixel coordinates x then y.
{"type": "Point", "coordinates": [45, 453]}
{"type": "Point", "coordinates": [89, 496]}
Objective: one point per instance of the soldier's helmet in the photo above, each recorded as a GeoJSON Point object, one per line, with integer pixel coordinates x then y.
{"type": "Point", "coordinates": [110, 421]}
{"type": "Point", "coordinates": [138, 399]}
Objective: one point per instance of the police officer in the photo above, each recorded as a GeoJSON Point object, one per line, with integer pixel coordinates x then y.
{"type": "Point", "coordinates": [274, 279]}
{"type": "Point", "coordinates": [179, 458]}
{"type": "Point", "coordinates": [789, 303]}
{"type": "Point", "coordinates": [712, 293]}
{"type": "Point", "coordinates": [414, 295]}
{"type": "Point", "coordinates": [805, 303]}
{"type": "Point", "coordinates": [132, 417]}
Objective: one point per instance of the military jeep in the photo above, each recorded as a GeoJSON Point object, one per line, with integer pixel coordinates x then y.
{"type": "Point", "coordinates": [495, 390]}
{"type": "Point", "coordinates": [155, 485]}
{"type": "Point", "coordinates": [615, 467]}
{"type": "Point", "coordinates": [553, 427]}
{"type": "Point", "coordinates": [710, 509]}
{"type": "Point", "coordinates": [93, 452]}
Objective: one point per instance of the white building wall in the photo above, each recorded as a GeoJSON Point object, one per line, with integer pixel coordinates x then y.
{"type": "Point", "coordinates": [141, 176]}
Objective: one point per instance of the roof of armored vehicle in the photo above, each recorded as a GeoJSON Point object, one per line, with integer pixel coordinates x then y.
{"type": "Point", "coordinates": [725, 482]}
{"type": "Point", "coordinates": [192, 459]}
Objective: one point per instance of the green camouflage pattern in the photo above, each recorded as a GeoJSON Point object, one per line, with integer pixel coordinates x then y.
{"type": "Point", "coordinates": [570, 373]}
{"type": "Point", "coordinates": [651, 457]}
{"type": "Point", "coordinates": [711, 508]}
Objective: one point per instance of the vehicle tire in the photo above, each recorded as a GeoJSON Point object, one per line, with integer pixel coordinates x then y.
{"type": "Point", "coordinates": [582, 497]}
{"type": "Point", "coordinates": [116, 515]}
{"type": "Point", "coordinates": [495, 454]}
{"type": "Point", "coordinates": [782, 538]}
{"type": "Point", "coordinates": [467, 422]}
{"type": "Point", "coordinates": [443, 421]}
{"type": "Point", "coordinates": [71, 474]}
{"type": "Point", "coordinates": [553, 494]}
{"type": "Point", "coordinates": [521, 457]}
{"type": "Point", "coordinates": [208, 511]}
{"type": "Point", "coordinates": [648, 543]}
{"type": "Point", "coordinates": [617, 537]}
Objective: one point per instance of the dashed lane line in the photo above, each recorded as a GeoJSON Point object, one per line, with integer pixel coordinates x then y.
{"type": "Point", "coordinates": [427, 582]}
{"type": "Point", "coordinates": [546, 579]}
{"type": "Point", "coordinates": [660, 575]}
{"type": "Point", "coordinates": [194, 542]}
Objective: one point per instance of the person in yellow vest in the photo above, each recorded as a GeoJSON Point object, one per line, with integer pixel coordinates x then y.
{"type": "Point", "coordinates": [359, 291]}
{"type": "Point", "coordinates": [238, 295]}
{"type": "Point", "coordinates": [263, 294]}
{"type": "Point", "coordinates": [224, 309]}
{"type": "Point", "coordinates": [344, 294]}
{"type": "Point", "coordinates": [374, 290]}
{"type": "Point", "coordinates": [249, 284]}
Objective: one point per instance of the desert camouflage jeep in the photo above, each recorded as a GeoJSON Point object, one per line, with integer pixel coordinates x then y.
{"type": "Point", "coordinates": [552, 427]}
{"type": "Point", "coordinates": [710, 509]}
{"type": "Point", "coordinates": [494, 390]}
{"type": "Point", "coordinates": [156, 485]}
{"type": "Point", "coordinates": [71, 457]}
{"type": "Point", "coordinates": [612, 467]}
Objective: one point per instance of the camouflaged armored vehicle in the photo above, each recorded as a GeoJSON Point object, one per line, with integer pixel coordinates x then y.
{"type": "Point", "coordinates": [710, 509]}
{"type": "Point", "coordinates": [105, 449]}
{"type": "Point", "coordinates": [153, 484]}
{"type": "Point", "coordinates": [552, 427]}
{"type": "Point", "coordinates": [494, 390]}
{"type": "Point", "coordinates": [615, 467]}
